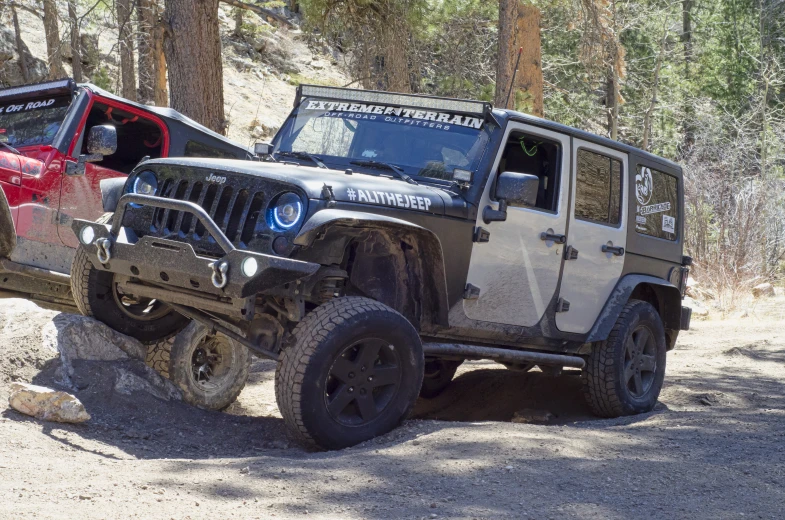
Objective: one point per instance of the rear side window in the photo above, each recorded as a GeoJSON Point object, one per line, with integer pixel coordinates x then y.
{"type": "Point", "coordinates": [657, 203]}
{"type": "Point", "coordinates": [598, 188]}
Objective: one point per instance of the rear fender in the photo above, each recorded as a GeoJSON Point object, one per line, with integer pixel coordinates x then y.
{"type": "Point", "coordinates": [7, 228]}
{"type": "Point", "coordinates": [663, 295]}
{"type": "Point", "coordinates": [391, 260]}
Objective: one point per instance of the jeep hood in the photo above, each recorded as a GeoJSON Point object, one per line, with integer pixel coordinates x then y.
{"type": "Point", "coordinates": [357, 188]}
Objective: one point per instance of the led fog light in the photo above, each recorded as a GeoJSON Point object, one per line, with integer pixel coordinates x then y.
{"type": "Point", "coordinates": [249, 266]}
{"type": "Point", "coordinates": [87, 235]}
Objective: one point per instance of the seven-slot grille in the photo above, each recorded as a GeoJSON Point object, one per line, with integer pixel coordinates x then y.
{"type": "Point", "coordinates": [235, 211]}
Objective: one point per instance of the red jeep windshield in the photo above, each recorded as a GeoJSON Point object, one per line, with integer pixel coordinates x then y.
{"type": "Point", "coordinates": [32, 121]}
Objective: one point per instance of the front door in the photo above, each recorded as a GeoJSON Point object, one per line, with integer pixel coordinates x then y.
{"type": "Point", "coordinates": [139, 134]}
{"type": "Point", "coordinates": [516, 271]}
{"type": "Point", "coordinates": [598, 233]}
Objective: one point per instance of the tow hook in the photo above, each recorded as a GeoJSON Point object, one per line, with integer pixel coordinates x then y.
{"type": "Point", "coordinates": [104, 246]}
{"type": "Point", "coordinates": [220, 270]}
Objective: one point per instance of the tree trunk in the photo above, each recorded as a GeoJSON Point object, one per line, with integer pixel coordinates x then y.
{"type": "Point", "coordinates": [528, 82]}
{"type": "Point", "coordinates": [519, 28]}
{"type": "Point", "coordinates": [76, 44]}
{"type": "Point", "coordinates": [146, 21]}
{"type": "Point", "coordinates": [20, 46]}
{"type": "Point", "coordinates": [505, 65]}
{"type": "Point", "coordinates": [193, 53]}
{"type": "Point", "coordinates": [612, 102]}
{"type": "Point", "coordinates": [160, 93]}
{"type": "Point", "coordinates": [686, 38]}
{"type": "Point", "coordinates": [125, 43]}
{"type": "Point", "coordinates": [238, 22]}
{"type": "Point", "coordinates": [53, 50]}
{"type": "Point", "coordinates": [655, 84]}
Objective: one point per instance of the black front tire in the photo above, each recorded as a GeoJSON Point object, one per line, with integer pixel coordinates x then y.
{"type": "Point", "coordinates": [352, 372]}
{"type": "Point", "coordinates": [624, 373]}
{"type": "Point", "coordinates": [95, 294]}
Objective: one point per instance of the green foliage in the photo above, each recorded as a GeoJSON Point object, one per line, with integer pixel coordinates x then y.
{"type": "Point", "coordinates": [101, 79]}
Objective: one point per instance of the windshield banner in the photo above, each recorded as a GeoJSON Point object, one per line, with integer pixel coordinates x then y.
{"type": "Point", "coordinates": [27, 106]}
{"type": "Point", "coordinates": [394, 114]}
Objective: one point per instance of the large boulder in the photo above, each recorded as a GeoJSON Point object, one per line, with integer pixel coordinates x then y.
{"type": "Point", "coordinates": [10, 69]}
{"type": "Point", "coordinates": [764, 290]}
{"type": "Point", "coordinates": [47, 404]}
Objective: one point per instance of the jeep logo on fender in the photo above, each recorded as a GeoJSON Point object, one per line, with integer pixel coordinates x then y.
{"type": "Point", "coordinates": [213, 178]}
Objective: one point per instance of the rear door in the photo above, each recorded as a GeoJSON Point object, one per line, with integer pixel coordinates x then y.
{"type": "Point", "coordinates": [598, 219]}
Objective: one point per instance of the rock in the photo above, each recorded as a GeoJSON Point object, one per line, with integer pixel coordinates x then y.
{"type": "Point", "coordinates": [527, 416]}
{"type": "Point", "coordinates": [245, 471]}
{"type": "Point", "coordinates": [764, 290]}
{"type": "Point", "coordinates": [47, 404]}
{"type": "Point", "coordinates": [10, 69]}
{"type": "Point", "coordinates": [150, 382]}
{"type": "Point", "coordinates": [80, 337]}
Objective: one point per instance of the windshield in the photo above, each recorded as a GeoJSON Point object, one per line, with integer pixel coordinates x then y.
{"type": "Point", "coordinates": [32, 121]}
{"type": "Point", "coordinates": [422, 143]}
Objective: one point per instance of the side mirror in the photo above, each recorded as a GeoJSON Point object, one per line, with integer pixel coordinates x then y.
{"type": "Point", "coordinates": [519, 188]}
{"type": "Point", "coordinates": [102, 140]}
{"type": "Point", "coordinates": [261, 149]}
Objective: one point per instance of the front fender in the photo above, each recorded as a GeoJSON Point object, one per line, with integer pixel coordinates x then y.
{"type": "Point", "coordinates": [668, 304]}
{"type": "Point", "coordinates": [325, 236]}
{"type": "Point", "coordinates": [111, 191]}
{"type": "Point", "coordinates": [7, 228]}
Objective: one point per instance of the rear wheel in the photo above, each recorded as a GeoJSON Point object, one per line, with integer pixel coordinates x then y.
{"type": "Point", "coordinates": [624, 374]}
{"type": "Point", "coordinates": [210, 369]}
{"type": "Point", "coordinates": [96, 294]}
{"type": "Point", "coordinates": [352, 373]}
{"type": "Point", "coordinates": [438, 376]}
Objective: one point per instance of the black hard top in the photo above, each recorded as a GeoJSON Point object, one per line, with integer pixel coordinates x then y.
{"type": "Point", "coordinates": [165, 113]}
{"type": "Point", "coordinates": [504, 115]}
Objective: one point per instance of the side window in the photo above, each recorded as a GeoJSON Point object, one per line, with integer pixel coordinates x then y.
{"type": "Point", "coordinates": [541, 157]}
{"type": "Point", "coordinates": [197, 149]}
{"type": "Point", "coordinates": [136, 137]}
{"type": "Point", "coordinates": [598, 188]}
{"type": "Point", "coordinates": [657, 203]}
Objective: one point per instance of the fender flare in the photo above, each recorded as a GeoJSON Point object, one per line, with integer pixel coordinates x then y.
{"type": "Point", "coordinates": [668, 305]}
{"type": "Point", "coordinates": [111, 191]}
{"type": "Point", "coordinates": [334, 224]}
{"type": "Point", "coordinates": [7, 228]}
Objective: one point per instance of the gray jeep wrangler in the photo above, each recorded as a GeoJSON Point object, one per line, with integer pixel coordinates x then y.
{"type": "Point", "coordinates": [382, 239]}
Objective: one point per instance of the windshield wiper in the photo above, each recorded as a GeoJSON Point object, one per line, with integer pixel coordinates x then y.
{"type": "Point", "coordinates": [14, 150]}
{"type": "Point", "coordinates": [387, 166]}
{"type": "Point", "coordinates": [303, 155]}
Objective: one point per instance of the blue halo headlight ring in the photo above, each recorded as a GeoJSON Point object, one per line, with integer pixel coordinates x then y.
{"type": "Point", "coordinates": [286, 212]}
{"type": "Point", "coordinates": [145, 183]}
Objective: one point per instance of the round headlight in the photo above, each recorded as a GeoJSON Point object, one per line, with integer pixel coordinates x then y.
{"type": "Point", "coordinates": [146, 183]}
{"type": "Point", "coordinates": [287, 211]}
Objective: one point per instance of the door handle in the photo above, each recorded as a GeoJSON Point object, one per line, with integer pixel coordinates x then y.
{"type": "Point", "coordinates": [617, 251]}
{"type": "Point", "coordinates": [559, 239]}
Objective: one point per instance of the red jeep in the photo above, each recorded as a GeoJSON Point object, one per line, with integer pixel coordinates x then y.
{"type": "Point", "coordinates": [65, 153]}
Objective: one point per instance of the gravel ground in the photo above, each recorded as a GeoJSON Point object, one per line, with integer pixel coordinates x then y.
{"type": "Point", "coordinates": [713, 448]}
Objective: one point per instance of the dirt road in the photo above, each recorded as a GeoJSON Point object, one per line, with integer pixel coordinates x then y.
{"type": "Point", "coordinates": [714, 448]}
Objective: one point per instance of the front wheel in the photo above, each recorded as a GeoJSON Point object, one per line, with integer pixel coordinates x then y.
{"type": "Point", "coordinates": [210, 369]}
{"type": "Point", "coordinates": [624, 373]}
{"type": "Point", "coordinates": [96, 294]}
{"type": "Point", "coordinates": [352, 372]}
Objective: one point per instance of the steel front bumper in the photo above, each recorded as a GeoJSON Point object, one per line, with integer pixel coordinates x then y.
{"type": "Point", "coordinates": [173, 272]}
